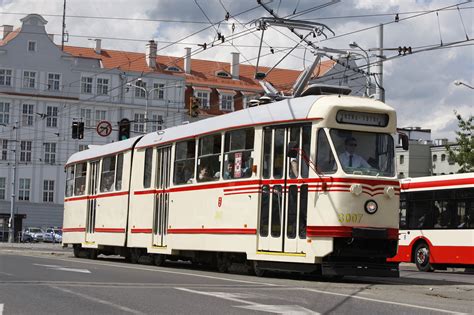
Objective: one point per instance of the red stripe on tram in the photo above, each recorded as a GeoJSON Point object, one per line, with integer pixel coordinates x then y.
{"type": "Point", "coordinates": [109, 230]}
{"type": "Point", "coordinates": [141, 231]}
{"type": "Point", "coordinates": [341, 231]}
{"type": "Point", "coordinates": [212, 231]}
{"type": "Point", "coordinates": [77, 229]}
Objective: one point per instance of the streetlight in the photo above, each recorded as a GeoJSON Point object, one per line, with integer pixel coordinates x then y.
{"type": "Point", "coordinates": [354, 45]}
{"type": "Point", "coordinates": [147, 95]}
{"type": "Point", "coordinates": [457, 82]}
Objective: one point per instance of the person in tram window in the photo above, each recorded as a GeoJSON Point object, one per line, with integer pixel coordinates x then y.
{"type": "Point", "coordinates": [204, 175]}
{"type": "Point", "coordinates": [349, 158]}
{"type": "Point", "coordinates": [229, 170]}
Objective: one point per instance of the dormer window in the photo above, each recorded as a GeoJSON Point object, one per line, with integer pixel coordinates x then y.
{"type": "Point", "coordinates": [173, 69]}
{"type": "Point", "coordinates": [31, 46]}
{"type": "Point", "coordinates": [223, 74]}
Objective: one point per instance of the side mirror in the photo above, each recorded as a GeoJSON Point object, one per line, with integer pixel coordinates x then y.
{"type": "Point", "coordinates": [292, 149]}
{"type": "Point", "coordinates": [404, 138]}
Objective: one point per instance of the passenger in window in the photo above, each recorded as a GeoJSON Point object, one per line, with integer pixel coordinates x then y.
{"type": "Point", "coordinates": [349, 158]}
{"type": "Point", "coordinates": [229, 170]}
{"type": "Point", "coordinates": [463, 224]}
{"type": "Point", "coordinates": [439, 224]}
{"type": "Point", "coordinates": [204, 174]}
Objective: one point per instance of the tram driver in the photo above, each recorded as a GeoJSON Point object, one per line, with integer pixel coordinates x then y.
{"type": "Point", "coordinates": [349, 158]}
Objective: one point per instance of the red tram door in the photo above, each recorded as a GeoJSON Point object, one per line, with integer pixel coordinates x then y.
{"type": "Point", "coordinates": [284, 199]}
{"type": "Point", "coordinates": [161, 207]}
{"type": "Point", "coordinates": [93, 188]}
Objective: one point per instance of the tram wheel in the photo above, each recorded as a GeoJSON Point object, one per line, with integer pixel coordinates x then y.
{"type": "Point", "coordinates": [92, 254]}
{"type": "Point", "coordinates": [257, 270]}
{"type": "Point", "coordinates": [422, 257]}
{"type": "Point", "coordinates": [223, 263]}
{"type": "Point", "coordinates": [134, 255]}
{"type": "Point", "coordinates": [159, 259]}
{"type": "Point", "coordinates": [77, 251]}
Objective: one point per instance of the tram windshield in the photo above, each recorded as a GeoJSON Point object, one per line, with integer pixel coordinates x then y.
{"type": "Point", "coordinates": [365, 153]}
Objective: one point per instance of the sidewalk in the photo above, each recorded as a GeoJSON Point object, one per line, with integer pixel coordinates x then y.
{"type": "Point", "coordinates": [56, 247]}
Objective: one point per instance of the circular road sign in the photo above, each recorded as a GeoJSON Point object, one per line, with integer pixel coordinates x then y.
{"type": "Point", "coordinates": [104, 128]}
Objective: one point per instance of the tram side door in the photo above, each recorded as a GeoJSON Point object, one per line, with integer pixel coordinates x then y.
{"type": "Point", "coordinates": [92, 200]}
{"type": "Point", "coordinates": [283, 205]}
{"type": "Point", "coordinates": [161, 209]}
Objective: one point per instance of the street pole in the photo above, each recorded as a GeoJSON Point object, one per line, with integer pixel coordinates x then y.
{"type": "Point", "coordinates": [147, 94]}
{"type": "Point", "coordinates": [379, 90]}
{"type": "Point", "coordinates": [11, 229]}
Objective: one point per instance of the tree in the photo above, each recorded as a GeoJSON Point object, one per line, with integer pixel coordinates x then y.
{"type": "Point", "coordinates": [463, 153]}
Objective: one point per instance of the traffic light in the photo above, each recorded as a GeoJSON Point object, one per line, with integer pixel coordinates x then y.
{"type": "Point", "coordinates": [77, 130]}
{"type": "Point", "coordinates": [124, 129]}
{"type": "Point", "coordinates": [194, 107]}
{"type": "Point", "coordinates": [404, 50]}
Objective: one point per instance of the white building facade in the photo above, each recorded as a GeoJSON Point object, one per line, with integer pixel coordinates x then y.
{"type": "Point", "coordinates": [43, 90]}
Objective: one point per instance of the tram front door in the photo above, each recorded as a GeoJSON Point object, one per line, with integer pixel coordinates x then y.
{"type": "Point", "coordinates": [284, 200]}
{"type": "Point", "coordinates": [161, 209]}
{"type": "Point", "coordinates": [92, 201]}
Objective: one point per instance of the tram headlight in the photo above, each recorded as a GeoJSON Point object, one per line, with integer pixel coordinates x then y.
{"type": "Point", "coordinates": [371, 206]}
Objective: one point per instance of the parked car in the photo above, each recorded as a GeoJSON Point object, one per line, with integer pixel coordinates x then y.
{"type": "Point", "coordinates": [53, 235]}
{"type": "Point", "coordinates": [32, 234]}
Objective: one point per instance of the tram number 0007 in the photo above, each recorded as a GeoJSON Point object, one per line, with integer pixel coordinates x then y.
{"type": "Point", "coordinates": [349, 217]}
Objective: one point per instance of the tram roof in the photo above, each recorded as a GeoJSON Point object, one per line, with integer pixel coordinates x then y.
{"type": "Point", "coordinates": [96, 151]}
{"type": "Point", "coordinates": [283, 111]}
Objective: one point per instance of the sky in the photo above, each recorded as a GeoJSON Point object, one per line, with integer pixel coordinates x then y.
{"type": "Point", "coordinates": [419, 86]}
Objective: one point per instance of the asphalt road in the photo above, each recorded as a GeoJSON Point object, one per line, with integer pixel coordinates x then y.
{"type": "Point", "coordinates": [49, 280]}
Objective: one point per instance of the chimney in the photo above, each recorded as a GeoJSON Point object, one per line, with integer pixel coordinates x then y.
{"type": "Point", "coordinates": [98, 44]}
{"type": "Point", "coordinates": [6, 29]}
{"type": "Point", "coordinates": [234, 66]}
{"type": "Point", "coordinates": [151, 54]}
{"type": "Point", "coordinates": [187, 61]}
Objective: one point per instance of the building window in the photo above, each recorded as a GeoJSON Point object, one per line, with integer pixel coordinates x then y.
{"type": "Point", "coordinates": [156, 122]}
{"type": "Point", "coordinates": [29, 79]}
{"type": "Point", "coordinates": [159, 92]}
{"type": "Point", "coordinates": [54, 81]}
{"type": "Point", "coordinates": [2, 188]}
{"type": "Point", "coordinates": [48, 190]}
{"type": "Point", "coordinates": [86, 116]}
{"type": "Point", "coordinates": [140, 93]}
{"type": "Point", "coordinates": [139, 124]}
{"type": "Point", "coordinates": [451, 160]}
{"type": "Point", "coordinates": [203, 98]}
{"type": "Point", "coordinates": [50, 153]}
{"type": "Point", "coordinates": [5, 77]}
{"type": "Point", "coordinates": [86, 85]}
{"type": "Point", "coordinates": [443, 157]}
{"type": "Point", "coordinates": [99, 116]}
{"type": "Point", "coordinates": [51, 116]}
{"type": "Point", "coordinates": [4, 112]}
{"type": "Point", "coordinates": [102, 86]}
{"type": "Point", "coordinates": [227, 102]}
{"type": "Point", "coordinates": [24, 189]}
{"type": "Point", "coordinates": [402, 159]}
{"type": "Point", "coordinates": [27, 115]}
{"type": "Point", "coordinates": [435, 158]}
{"type": "Point", "coordinates": [25, 151]}
{"type": "Point", "coordinates": [32, 45]}
{"type": "Point", "coordinates": [4, 146]}
{"type": "Point", "coordinates": [83, 147]}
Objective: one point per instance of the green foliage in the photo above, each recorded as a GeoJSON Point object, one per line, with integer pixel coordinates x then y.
{"type": "Point", "coordinates": [464, 153]}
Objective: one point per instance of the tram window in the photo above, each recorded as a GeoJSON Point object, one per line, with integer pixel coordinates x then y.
{"type": "Point", "coordinates": [461, 217]}
{"type": "Point", "coordinates": [238, 150]}
{"type": "Point", "coordinates": [69, 181]}
{"type": "Point", "coordinates": [303, 211]}
{"type": "Point", "coordinates": [368, 153]}
{"type": "Point", "coordinates": [325, 161]}
{"type": "Point", "coordinates": [292, 211]}
{"type": "Point", "coordinates": [184, 162]}
{"type": "Point", "coordinates": [147, 168]}
{"type": "Point", "coordinates": [267, 152]}
{"type": "Point", "coordinates": [80, 179]}
{"type": "Point", "coordinates": [108, 174]}
{"type": "Point", "coordinates": [294, 144]}
{"type": "Point", "coordinates": [264, 209]}
{"type": "Point", "coordinates": [306, 147]}
{"type": "Point", "coordinates": [403, 213]}
{"type": "Point", "coordinates": [209, 158]}
{"type": "Point", "coordinates": [119, 172]}
{"type": "Point", "coordinates": [278, 153]}
{"type": "Point", "coordinates": [276, 211]}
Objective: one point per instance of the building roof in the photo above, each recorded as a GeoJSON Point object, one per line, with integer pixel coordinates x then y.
{"type": "Point", "coordinates": [203, 72]}
{"type": "Point", "coordinates": [10, 36]}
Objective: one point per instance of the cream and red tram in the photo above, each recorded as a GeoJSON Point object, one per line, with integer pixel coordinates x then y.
{"type": "Point", "coordinates": [264, 185]}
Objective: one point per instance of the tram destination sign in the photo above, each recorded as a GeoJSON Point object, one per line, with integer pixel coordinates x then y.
{"type": "Point", "coordinates": [361, 118]}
